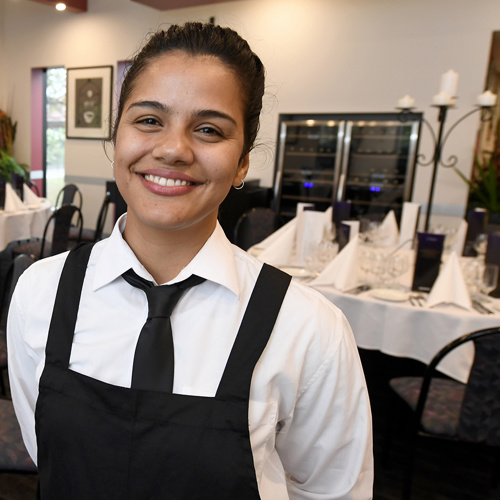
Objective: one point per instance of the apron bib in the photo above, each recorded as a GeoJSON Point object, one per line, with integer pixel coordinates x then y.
{"type": "Point", "coordinates": [101, 441]}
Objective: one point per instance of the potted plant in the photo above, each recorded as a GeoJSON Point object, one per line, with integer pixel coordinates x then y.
{"type": "Point", "coordinates": [484, 188]}
{"type": "Point", "coordinates": [8, 165]}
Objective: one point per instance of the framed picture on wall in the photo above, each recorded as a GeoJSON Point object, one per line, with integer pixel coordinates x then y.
{"type": "Point", "coordinates": [88, 102]}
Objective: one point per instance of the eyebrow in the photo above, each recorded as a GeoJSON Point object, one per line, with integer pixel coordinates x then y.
{"type": "Point", "coordinates": [204, 113]}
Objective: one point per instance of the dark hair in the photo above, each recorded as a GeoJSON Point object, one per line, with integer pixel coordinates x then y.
{"type": "Point", "coordinates": [206, 39]}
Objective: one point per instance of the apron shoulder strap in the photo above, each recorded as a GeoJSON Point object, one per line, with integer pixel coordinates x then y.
{"type": "Point", "coordinates": [254, 332]}
{"type": "Point", "coordinates": [63, 321]}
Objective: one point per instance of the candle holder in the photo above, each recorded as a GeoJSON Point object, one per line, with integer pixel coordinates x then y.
{"type": "Point", "coordinates": [439, 141]}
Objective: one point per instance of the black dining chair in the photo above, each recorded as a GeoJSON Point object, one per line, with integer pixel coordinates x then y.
{"type": "Point", "coordinates": [16, 268]}
{"type": "Point", "coordinates": [92, 234]}
{"type": "Point", "coordinates": [70, 194]}
{"type": "Point", "coordinates": [443, 408]}
{"type": "Point", "coordinates": [59, 223]}
{"type": "Point", "coordinates": [13, 455]}
{"type": "Point", "coordinates": [255, 225]}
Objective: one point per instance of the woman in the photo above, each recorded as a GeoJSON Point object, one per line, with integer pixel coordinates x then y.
{"type": "Point", "coordinates": [269, 415]}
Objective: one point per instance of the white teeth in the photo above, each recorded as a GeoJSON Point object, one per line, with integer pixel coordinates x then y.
{"type": "Point", "coordinates": [163, 181]}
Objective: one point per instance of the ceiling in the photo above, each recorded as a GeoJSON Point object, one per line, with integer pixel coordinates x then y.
{"type": "Point", "coordinates": [71, 5]}
{"type": "Point", "coordinates": [176, 4]}
{"type": "Point", "coordinates": [81, 5]}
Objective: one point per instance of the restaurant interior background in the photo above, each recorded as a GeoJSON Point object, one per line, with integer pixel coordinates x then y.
{"type": "Point", "coordinates": [321, 56]}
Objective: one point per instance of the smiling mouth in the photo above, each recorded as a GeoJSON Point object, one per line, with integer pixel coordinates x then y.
{"type": "Point", "coordinates": [164, 181]}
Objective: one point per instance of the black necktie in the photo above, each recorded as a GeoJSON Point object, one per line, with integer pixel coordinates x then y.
{"type": "Point", "coordinates": [153, 367]}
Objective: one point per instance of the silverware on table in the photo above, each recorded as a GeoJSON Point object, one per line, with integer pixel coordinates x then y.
{"type": "Point", "coordinates": [358, 289]}
{"type": "Point", "coordinates": [481, 308]}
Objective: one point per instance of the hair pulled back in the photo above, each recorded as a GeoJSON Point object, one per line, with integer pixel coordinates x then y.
{"type": "Point", "coordinates": [199, 39]}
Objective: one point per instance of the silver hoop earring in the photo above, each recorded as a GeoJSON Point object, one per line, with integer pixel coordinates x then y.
{"type": "Point", "coordinates": [240, 186]}
{"type": "Point", "coordinates": [113, 165]}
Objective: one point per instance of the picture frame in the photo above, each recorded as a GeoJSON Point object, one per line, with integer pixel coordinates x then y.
{"type": "Point", "coordinates": [88, 102]}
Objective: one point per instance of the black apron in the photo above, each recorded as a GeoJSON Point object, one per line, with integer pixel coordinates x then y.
{"type": "Point", "coordinates": [100, 441]}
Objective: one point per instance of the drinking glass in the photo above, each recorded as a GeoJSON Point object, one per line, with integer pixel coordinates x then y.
{"type": "Point", "coordinates": [399, 264]}
{"type": "Point", "coordinates": [489, 278]}
{"type": "Point", "coordinates": [480, 244]}
{"type": "Point", "coordinates": [471, 269]}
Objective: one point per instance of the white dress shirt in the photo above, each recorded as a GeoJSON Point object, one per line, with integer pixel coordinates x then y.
{"type": "Point", "coordinates": [309, 411]}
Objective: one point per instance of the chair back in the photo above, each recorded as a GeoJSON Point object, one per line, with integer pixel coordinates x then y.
{"type": "Point", "coordinates": [101, 218]}
{"type": "Point", "coordinates": [480, 416]}
{"type": "Point", "coordinates": [70, 194]}
{"type": "Point", "coordinates": [479, 419]}
{"type": "Point", "coordinates": [17, 267]}
{"type": "Point", "coordinates": [32, 186]}
{"type": "Point", "coordinates": [255, 225]}
{"type": "Point", "coordinates": [61, 221]}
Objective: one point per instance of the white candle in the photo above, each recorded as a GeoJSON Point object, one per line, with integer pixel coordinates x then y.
{"type": "Point", "coordinates": [442, 99]}
{"type": "Point", "coordinates": [449, 83]}
{"type": "Point", "coordinates": [406, 102]}
{"type": "Point", "coordinates": [487, 99]}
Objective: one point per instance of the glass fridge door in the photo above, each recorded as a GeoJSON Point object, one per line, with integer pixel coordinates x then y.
{"type": "Point", "coordinates": [309, 160]}
{"type": "Point", "coordinates": [378, 166]}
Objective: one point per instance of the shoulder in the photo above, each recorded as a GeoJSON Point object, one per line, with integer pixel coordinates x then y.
{"type": "Point", "coordinates": [305, 312]}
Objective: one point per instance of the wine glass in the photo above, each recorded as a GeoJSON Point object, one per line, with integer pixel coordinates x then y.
{"type": "Point", "coordinates": [489, 279]}
{"type": "Point", "coordinates": [471, 269]}
{"type": "Point", "coordinates": [399, 264]}
{"type": "Point", "coordinates": [480, 244]}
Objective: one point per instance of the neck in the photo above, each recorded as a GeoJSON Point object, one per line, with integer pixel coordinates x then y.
{"type": "Point", "coordinates": [164, 253]}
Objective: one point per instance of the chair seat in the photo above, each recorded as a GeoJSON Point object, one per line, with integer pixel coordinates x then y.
{"type": "Point", "coordinates": [444, 402]}
{"type": "Point", "coordinates": [13, 454]}
{"type": "Point", "coordinates": [32, 248]}
{"type": "Point", "coordinates": [87, 234]}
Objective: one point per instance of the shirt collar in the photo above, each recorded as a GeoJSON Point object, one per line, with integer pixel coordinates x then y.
{"type": "Point", "coordinates": [214, 262]}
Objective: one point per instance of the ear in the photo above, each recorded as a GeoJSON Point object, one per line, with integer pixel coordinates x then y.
{"type": "Point", "coordinates": [242, 170]}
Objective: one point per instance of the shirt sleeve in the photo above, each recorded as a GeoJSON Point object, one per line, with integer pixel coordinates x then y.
{"type": "Point", "coordinates": [22, 365]}
{"type": "Point", "coordinates": [326, 445]}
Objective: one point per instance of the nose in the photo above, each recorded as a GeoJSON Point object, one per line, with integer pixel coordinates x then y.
{"type": "Point", "coordinates": [173, 147]}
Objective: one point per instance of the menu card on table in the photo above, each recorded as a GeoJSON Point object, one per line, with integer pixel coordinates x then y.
{"type": "Point", "coordinates": [427, 261]}
{"type": "Point", "coordinates": [493, 257]}
{"type": "Point", "coordinates": [475, 219]}
{"type": "Point", "coordinates": [348, 230]}
{"type": "Point", "coordinates": [341, 212]}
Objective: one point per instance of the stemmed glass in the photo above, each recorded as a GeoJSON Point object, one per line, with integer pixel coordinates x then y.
{"type": "Point", "coordinates": [489, 279]}
{"type": "Point", "coordinates": [480, 245]}
{"type": "Point", "coordinates": [399, 264]}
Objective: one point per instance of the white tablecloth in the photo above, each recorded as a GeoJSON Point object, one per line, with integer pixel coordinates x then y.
{"type": "Point", "coordinates": [23, 224]}
{"type": "Point", "coordinates": [400, 329]}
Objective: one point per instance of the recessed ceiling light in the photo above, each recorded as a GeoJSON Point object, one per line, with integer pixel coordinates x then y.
{"type": "Point", "coordinates": [61, 6]}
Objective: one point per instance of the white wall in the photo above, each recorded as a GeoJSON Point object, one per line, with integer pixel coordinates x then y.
{"type": "Point", "coordinates": [320, 55]}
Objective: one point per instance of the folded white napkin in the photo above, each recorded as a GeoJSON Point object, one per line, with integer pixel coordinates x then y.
{"type": "Point", "coordinates": [30, 198]}
{"type": "Point", "coordinates": [450, 286]}
{"type": "Point", "coordinates": [12, 201]}
{"type": "Point", "coordinates": [458, 239]}
{"type": "Point", "coordinates": [408, 226]}
{"type": "Point", "coordinates": [309, 233]}
{"type": "Point", "coordinates": [388, 232]}
{"type": "Point", "coordinates": [342, 272]}
{"type": "Point", "coordinates": [277, 248]}
{"type": "Point", "coordinates": [301, 206]}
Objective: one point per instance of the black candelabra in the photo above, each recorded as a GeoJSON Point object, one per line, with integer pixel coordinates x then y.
{"type": "Point", "coordinates": [443, 101]}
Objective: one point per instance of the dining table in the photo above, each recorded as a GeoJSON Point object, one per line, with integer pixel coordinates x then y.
{"type": "Point", "coordinates": [26, 223]}
{"type": "Point", "coordinates": [396, 321]}
{"type": "Point", "coordinates": [403, 328]}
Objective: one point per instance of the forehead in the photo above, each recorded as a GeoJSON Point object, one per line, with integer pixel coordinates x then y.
{"type": "Point", "coordinates": [177, 74]}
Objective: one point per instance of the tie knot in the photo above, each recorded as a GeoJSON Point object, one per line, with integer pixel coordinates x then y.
{"type": "Point", "coordinates": [161, 299]}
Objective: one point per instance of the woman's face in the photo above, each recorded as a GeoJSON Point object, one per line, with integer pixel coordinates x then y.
{"type": "Point", "coordinates": [179, 143]}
